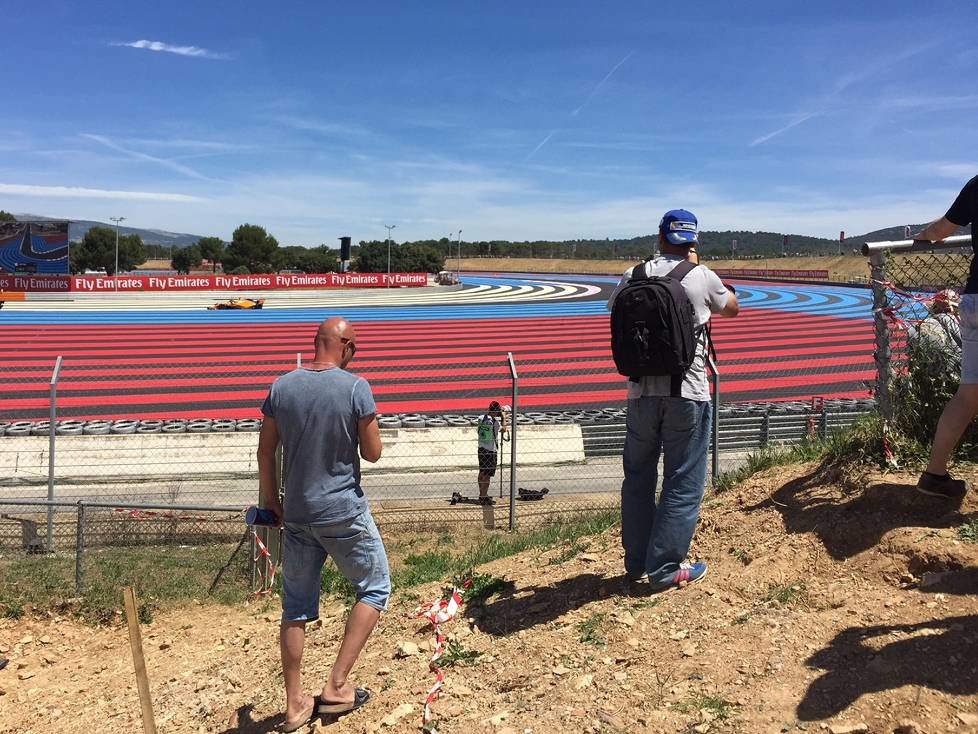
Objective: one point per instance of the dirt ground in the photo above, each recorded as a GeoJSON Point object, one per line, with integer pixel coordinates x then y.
{"type": "Point", "coordinates": [829, 606]}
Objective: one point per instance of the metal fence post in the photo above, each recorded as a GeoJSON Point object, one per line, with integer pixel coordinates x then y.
{"type": "Point", "coordinates": [80, 548]}
{"type": "Point", "coordinates": [53, 418]}
{"type": "Point", "coordinates": [882, 352]}
{"type": "Point", "coordinates": [765, 438]}
{"type": "Point", "coordinates": [715, 438]}
{"type": "Point", "coordinates": [512, 442]}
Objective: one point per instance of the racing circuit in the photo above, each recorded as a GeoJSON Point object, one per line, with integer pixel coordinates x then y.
{"type": "Point", "coordinates": [424, 350]}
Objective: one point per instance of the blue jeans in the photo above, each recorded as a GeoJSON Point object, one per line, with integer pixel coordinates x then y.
{"type": "Point", "coordinates": [358, 552]}
{"type": "Point", "coordinates": [656, 536]}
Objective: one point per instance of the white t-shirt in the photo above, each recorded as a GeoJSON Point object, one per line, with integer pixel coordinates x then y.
{"type": "Point", "coordinates": [709, 296]}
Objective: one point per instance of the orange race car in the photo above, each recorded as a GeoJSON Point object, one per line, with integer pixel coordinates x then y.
{"type": "Point", "coordinates": [236, 304]}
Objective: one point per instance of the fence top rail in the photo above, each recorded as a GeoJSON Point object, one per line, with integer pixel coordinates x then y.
{"type": "Point", "coordinates": [951, 243]}
{"type": "Point", "coordinates": [120, 505]}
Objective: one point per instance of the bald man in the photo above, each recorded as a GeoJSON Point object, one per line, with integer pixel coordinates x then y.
{"type": "Point", "coordinates": [325, 419]}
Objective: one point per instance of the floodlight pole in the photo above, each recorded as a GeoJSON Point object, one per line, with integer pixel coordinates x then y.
{"type": "Point", "coordinates": [389, 228]}
{"type": "Point", "coordinates": [115, 274]}
{"type": "Point", "coordinates": [458, 269]}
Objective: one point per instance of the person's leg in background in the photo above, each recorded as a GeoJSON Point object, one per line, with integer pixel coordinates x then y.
{"type": "Point", "coordinates": [960, 410]}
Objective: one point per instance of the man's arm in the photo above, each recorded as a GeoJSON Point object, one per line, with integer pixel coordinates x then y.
{"type": "Point", "coordinates": [268, 441]}
{"type": "Point", "coordinates": [732, 307]}
{"type": "Point", "coordinates": [368, 432]}
{"type": "Point", "coordinates": [937, 231]}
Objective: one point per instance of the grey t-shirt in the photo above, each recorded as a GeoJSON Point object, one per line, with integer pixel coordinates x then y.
{"type": "Point", "coordinates": [317, 413]}
{"type": "Point", "coordinates": [708, 295]}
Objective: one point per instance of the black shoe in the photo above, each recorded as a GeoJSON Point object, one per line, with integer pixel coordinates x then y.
{"type": "Point", "coordinates": [944, 487]}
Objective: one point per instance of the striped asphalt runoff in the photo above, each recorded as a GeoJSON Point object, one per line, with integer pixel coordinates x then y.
{"type": "Point", "coordinates": [417, 356]}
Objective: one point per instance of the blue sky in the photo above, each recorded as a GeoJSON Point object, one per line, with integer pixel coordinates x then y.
{"type": "Point", "coordinates": [505, 120]}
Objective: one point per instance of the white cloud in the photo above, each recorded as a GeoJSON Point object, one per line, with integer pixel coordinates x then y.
{"type": "Point", "coordinates": [958, 171]}
{"type": "Point", "coordinates": [78, 192]}
{"type": "Point", "coordinates": [794, 123]}
{"type": "Point", "coordinates": [172, 165]}
{"type": "Point", "coordinates": [193, 51]}
{"type": "Point", "coordinates": [323, 128]}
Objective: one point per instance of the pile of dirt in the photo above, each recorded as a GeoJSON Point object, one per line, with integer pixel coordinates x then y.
{"type": "Point", "coordinates": [835, 607]}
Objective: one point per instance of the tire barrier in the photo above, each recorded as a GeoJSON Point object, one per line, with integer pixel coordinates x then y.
{"type": "Point", "coordinates": [742, 423]}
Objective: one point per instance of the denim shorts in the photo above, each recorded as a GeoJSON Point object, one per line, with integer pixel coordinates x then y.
{"type": "Point", "coordinates": [358, 552]}
{"type": "Point", "coordinates": [969, 339]}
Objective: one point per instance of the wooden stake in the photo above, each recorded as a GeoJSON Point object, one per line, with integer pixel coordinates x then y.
{"type": "Point", "coordinates": [136, 643]}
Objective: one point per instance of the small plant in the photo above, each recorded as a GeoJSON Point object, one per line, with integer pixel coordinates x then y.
{"type": "Point", "coordinates": [568, 553]}
{"type": "Point", "coordinates": [785, 594]}
{"type": "Point", "coordinates": [589, 630]}
{"type": "Point", "coordinates": [742, 617]}
{"type": "Point", "coordinates": [647, 602]}
{"type": "Point", "coordinates": [715, 705]}
{"type": "Point", "coordinates": [483, 586]}
{"type": "Point", "coordinates": [968, 532]}
{"type": "Point", "coordinates": [742, 555]}
{"type": "Point", "coordinates": [455, 654]}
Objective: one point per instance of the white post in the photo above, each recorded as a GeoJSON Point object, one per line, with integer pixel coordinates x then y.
{"type": "Point", "coordinates": [389, 228]}
{"type": "Point", "coordinates": [52, 418]}
{"type": "Point", "coordinates": [115, 274]}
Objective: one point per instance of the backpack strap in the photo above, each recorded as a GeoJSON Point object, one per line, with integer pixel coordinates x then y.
{"type": "Point", "coordinates": [682, 269]}
{"type": "Point", "coordinates": [679, 272]}
{"type": "Point", "coordinates": [640, 271]}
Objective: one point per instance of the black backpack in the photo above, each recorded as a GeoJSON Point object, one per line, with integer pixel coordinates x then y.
{"type": "Point", "coordinates": [653, 329]}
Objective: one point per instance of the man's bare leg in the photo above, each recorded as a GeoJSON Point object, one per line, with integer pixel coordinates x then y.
{"type": "Point", "coordinates": [292, 638]}
{"type": "Point", "coordinates": [483, 485]}
{"type": "Point", "coordinates": [960, 410]}
{"type": "Point", "coordinates": [361, 622]}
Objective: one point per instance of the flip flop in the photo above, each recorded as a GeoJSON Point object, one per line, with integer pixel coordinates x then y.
{"type": "Point", "coordinates": [360, 697]}
{"type": "Point", "coordinates": [304, 718]}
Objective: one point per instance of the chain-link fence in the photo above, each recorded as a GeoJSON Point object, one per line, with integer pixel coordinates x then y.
{"type": "Point", "coordinates": [915, 290]}
{"type": "Point", "coordinates": [549, 462]}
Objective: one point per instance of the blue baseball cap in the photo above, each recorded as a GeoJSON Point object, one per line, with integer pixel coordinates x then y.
{"type": "Point", "coordinates": [679, 227]}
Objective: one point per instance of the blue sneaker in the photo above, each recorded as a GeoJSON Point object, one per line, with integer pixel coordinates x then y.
{"type": "Point", "coordinates": [688, 573]}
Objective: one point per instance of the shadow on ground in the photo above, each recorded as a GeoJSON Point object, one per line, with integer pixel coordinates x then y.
{"type": "Point", "coordinates": [851, 519]}
{"type": "Point", "coordinates": [536, 605]}
{"type": "Point", "coordinates": [937, 654]}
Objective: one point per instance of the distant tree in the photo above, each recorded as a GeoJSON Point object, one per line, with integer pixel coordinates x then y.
{"type": "Point", "coordinates": [211, 249]}
{"type": "Point", "coordinates": [7, 216]}
{"type": "Point", "coordinates": [241, 270]}
{"type": "Point", "coordinates": [186, 258]}
{"type": "Point", "coordinates": [251, 247]}
{"type": "Point", "coordinates": [308, 260]}
{"type": "Point", "coordinates": [97, 251]}
{"type": "Point", "coordinates": [412, 257]}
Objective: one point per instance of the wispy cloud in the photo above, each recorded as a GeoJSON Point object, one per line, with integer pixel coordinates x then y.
{"type": "Point", "coordinates": [540, 145]}
{"type": "Point", "coordinates": [957, 171]}
{"type": "Point", "coordinates": [165, 162]}
{"type": "Point", "coordinates": [794, 123]}
{"type": "Point", "coordinates": [78, 192]}
{"type": "Point", "coordinates": [577, 110]}
{"type": "Point", "coordinates": [193, 51]}
{"type": "Point", "coordinates": [841, 84]}
{"type": "Point", "coordinates": [597, 87]}
{"type": "Point", "coordinates": [331, 129]}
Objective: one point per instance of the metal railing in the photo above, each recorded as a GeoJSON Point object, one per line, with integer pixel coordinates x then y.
{"type": "Point", "coordinates": [903, 273]}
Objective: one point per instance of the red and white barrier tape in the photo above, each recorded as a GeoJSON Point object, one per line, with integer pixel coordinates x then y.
{"type": "Point", "coordinates": [266, 583]}
{"type": "Point", "coordinates": [154, 515]}
{"type": "Point", "coordinates": [438, 612]}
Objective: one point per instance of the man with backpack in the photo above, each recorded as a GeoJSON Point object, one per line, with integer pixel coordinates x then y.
{"type": "Point", "coordinates": [661, 310]}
